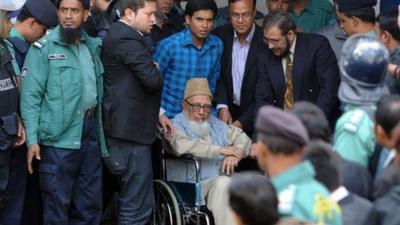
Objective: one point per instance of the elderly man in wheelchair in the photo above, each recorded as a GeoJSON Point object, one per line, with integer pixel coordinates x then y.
{"type": "Point", "coordinates": [217, 147]}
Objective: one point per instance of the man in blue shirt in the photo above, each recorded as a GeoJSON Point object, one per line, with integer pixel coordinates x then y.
{"type": "Point", "coordinates": [194, 52]}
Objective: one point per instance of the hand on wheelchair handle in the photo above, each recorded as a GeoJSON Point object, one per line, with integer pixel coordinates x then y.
{"type": "Point", "coordinates": [166, 127]}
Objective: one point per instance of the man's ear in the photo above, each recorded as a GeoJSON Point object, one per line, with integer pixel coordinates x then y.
{"type": "Point", "coordinates": [291, 35]}
{"type": "Point", "coordinates": [85, 15]}
{"type": "Point", "coordinates": [381, 136]}
{"type": "Point", "coordinates": [355, 21]}
{"type": "Point", "coordinates": [187, 19]}
{"type": "Point", "coordinates": [30, 21]}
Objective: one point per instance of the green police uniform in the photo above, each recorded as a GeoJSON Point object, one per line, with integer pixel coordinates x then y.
{"type": "Point", "coordinates": [301, 196]}
{"type": "Point", "coordinates": [72, 84]}
{"type": "Point", "coordinates": [354, 137]}
{"type": "Point", "coordinates": [318, 13]}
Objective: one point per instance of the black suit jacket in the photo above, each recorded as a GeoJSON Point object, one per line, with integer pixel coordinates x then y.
{"type": "Point", "coordinates": [357, 211]}
{"type": "Point", "coordinates": [315, 75]}
{"type": "Point", "coordinates": [224, 93]}
{"type": "Point", "coordinates": [132, 84]}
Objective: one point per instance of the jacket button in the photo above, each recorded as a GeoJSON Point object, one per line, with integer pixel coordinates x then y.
{"type": "Point", "coordinates": [310, 90]}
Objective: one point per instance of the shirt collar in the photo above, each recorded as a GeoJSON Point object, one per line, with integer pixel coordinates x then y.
{"type": "Point", "coordinates": [298, 173]}
{"type": "Point", "coordinates": [293, 47]}
{"type": "Point", "coordinates": [339, 194]}
{"type": "Point", "coordinates": [188, 41]}
{"type": "Point", "coordinates": [310, 7]}
{"type": "Point", "coordinates": [15, 33]}
{"type": "Point", "coordinates": [249, 37]}
{"type": "Point", "coordinates": [125, 22]}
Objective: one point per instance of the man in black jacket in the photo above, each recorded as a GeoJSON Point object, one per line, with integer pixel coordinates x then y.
{"type": "Point", "coordinates": [236, 86]}
{"type": "Point", "coordinates": [133, 86]}
{"type": "Point", "coordinates": [296, 67]}
{"type": "Point", "coordinates": [235, 94]}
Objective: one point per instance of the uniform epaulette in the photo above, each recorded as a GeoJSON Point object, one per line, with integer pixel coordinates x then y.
{"type": "Point", "coordinates": [287, 199]}
{"type": "Point", "coordinates": [40, 43]}
{"type": "Point", "coordinates": [354, 121]}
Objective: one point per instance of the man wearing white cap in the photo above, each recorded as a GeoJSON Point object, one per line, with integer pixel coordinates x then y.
{"type": "Point", "coordinates": [218, 146]}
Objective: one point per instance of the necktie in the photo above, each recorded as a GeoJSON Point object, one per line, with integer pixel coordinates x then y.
{"type": "Point", "coordinates": [289, 99]}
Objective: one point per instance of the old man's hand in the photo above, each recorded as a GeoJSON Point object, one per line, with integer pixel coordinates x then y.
{"type": "Point", "coordinates": [232, 151]}
{"type": "Point", "coordinates": [229, 164]}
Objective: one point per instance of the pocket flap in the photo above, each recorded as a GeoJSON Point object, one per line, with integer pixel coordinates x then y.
{"type": "Point", "coordinates": [51, 169]}
{"type": "Point", "coordinates": [10, 124]}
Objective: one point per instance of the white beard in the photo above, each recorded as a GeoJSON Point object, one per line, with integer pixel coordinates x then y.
{"type": "Point", "coordinates": [200, 129]}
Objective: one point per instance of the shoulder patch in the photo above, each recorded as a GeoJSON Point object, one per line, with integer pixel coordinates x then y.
{"type": "Point", "coordinates": [325, 209]}
{"type": "Point", "coordinates": [354, 121]}
{"type": "Point", "coordinates": [286, 199]}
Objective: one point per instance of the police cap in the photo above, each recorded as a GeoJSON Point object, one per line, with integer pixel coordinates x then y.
{"type": "Point", "coordinates": [85, 3]}
{"type": "Point", "coordinates": [43, 11]}
{"type": "Point", "coordinates": [274, 121]}
{"type": "Point", "coordinates": [347, 5]}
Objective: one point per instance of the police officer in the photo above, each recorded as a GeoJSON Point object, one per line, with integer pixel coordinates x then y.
{"type": "Point", "coordinates": [363, 69]}
{"type": "Point", "coordinates": [281, 140]}
{"type": "Point", "coordinates": [11, 129]}
{"type": "Point", "coordinates": [32, 21]}
{"type": "Point", "coordinates": [59, 98]}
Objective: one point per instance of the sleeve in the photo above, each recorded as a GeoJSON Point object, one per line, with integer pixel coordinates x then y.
{"type": "Point", "coordinates": [216, 70]}
{"type": "Point", "coordinates": [181, 144]}
{"type": "Point", "coordinates": [263, 92]}
{"type": "Point", "coordinates": [13, 62]}
{"type": "Point", "coordinates": [328, 76]}
{"type": "Point", "coordinates": [162, 55]}
{"type": "Point", "coordinates": [220, 97]}
{"type": "Point", "coordinates": [32, 92]}
{"type": "Point", "coordinates": [239, 139]}
{"type": "Point", "coordinates": [133, 53]}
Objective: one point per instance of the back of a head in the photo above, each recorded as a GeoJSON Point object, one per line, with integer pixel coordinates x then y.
{"type": "Point", "coordinates": [314, 120]}
{"type": "Point", "coordinates": [388, 22]}
{"type": "Point", "coordinates": [387, 114]}
{"type": "Point", "coordinates": [281, 20]}
{"type": "Point", "coordinates": [193, 6]}
{"type": "Point", "coordinates": [325, 162]}
{"type": "Point", "coordinates": [253, 198]}
{"type": "Point", "coordinates": [282, 131]}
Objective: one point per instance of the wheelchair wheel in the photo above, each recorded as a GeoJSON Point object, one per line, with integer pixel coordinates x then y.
{"type": "Point", "coordinates": [166, 208]}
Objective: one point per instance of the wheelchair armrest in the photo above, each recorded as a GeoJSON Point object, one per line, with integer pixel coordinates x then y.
{"type": "Point", "coordinates": [187, 156]}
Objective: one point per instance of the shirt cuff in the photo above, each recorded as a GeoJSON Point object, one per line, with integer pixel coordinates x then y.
{"type": "Point", "coordinates": [161, 112]}
{"type": "Point", "coordinates": [222, 106]}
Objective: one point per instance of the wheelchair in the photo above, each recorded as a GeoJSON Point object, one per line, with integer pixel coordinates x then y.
{"type": "Point", "coordinates": [178, 203]}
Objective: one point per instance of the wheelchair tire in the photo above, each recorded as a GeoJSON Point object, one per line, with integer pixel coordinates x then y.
{"type": "Point", "coordinates": [166, 208]}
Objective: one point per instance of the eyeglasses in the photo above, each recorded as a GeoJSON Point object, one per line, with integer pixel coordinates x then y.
{"type": "Point", "coordinates": [272, 41]}
{"type": "Point", "coordinates": [196, 107]}
{"type": "Point", "coordinates": [244, 16]}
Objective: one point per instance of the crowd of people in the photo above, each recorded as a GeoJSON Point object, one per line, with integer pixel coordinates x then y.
{"type": "Point", "coordinates": [305, 97]}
